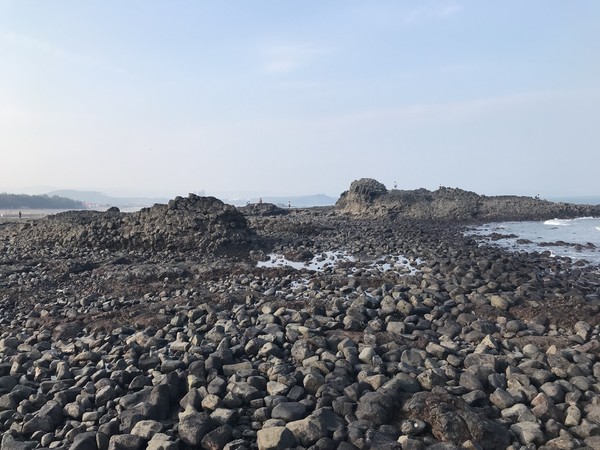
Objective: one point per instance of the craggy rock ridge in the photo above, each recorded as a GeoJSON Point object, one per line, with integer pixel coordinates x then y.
{"type": "Point", "coordinates": [424, 339]}
{"type": "Point", "coordinates": [368, 197]}
{"type": "Point", "coordinates": [199, 224]}
{"type": "Point", "coordinates": [262, 209]}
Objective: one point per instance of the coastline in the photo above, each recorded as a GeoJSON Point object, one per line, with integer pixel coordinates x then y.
{"type": "Point", "coordinates": [13, 214]}
{"type": "Point", "coordinates": [577, 238]}
{"type": "Point", "coordinates": [34, 214]}
{"type": "Point", "coordinates": [362, 343]}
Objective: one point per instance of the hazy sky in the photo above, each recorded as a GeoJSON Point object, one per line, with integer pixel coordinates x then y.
{"type": "Point", "coordinates": [300, 97]}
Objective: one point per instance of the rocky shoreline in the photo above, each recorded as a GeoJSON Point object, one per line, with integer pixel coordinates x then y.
{"type": "Point", "coordinates": [157, 330]}
{"type": "Point", "coordinates": [368, 197]}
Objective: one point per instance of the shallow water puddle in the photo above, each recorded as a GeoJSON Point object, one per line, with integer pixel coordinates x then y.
{"type": "Point", "coordinates": [318, 263]}
{"type": "Point", "coordinates": [394, 263]}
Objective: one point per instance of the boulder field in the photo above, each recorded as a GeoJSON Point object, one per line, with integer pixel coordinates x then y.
{"type": "Point", "coordinates": [159, 330]}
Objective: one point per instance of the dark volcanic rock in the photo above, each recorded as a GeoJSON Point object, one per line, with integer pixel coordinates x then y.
{"type": "Point", "coordinates": [140, 331]}
{"type": "Point", "coordinates": [375, 407]}
{"type": "Point", "coordinates": [452, 420]}
{"type": "Point", "coordinates": [367, 197]}
{"type": "Point", "coordinates": [192, 223]}
{"type": "Point", "coordinates": [262, 209]}
{"type": "Point", "coordinates": [194, 426]}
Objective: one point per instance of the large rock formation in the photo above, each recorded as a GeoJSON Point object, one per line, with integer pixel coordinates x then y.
{"type": "Point", "coordinates": [201, 224]}
{"type": "Point", "coordinates": [368, 197]}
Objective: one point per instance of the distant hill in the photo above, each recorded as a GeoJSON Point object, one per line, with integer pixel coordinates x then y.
{"type": "Point", "coordinates": [299, 201]}
{"type": "Point", "coordinates": [100, 199]}
{"type": "Point", "coordinates": [23, 201]}
{"type": "Point", "coordinates": [95, 198]}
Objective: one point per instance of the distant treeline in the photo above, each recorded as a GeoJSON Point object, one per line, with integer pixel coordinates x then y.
{"type": "Point", "coordinates": [18, 201]}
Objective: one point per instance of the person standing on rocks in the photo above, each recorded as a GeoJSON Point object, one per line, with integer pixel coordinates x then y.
{"type": "Point", "coordinates": [19, 214]}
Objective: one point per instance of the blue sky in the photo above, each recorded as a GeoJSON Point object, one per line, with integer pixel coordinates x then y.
{"type": "Point", "coordinates": [286, 97]}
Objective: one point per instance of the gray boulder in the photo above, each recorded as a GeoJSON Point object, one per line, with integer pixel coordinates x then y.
{"type": "Point", "coordinates": [146, 428]}
{"type": "Point", "coordinates": [85, 441]}
{"type": "Point", "coordinates": [217, 438]}
{"type": "Point", "coordinates": [275, 438]}
{"type": "Point", "coordinates": [375, 408]}
{"type": "Point", "coordinates": [289, 411]}
{"type": "Point", "coordinates": [126, 442]}
{"type": "Point", "coordinates": [193, 426]}
{"type": "Point", "coordinates": [309, 430]}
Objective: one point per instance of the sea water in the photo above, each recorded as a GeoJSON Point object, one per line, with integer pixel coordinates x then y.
{"type": "Point", "coordinates": [319, 263]}
{"type": "Point", "coordinates": [398, 264]}
{"type": "Point", "coordinates": [578, 239]}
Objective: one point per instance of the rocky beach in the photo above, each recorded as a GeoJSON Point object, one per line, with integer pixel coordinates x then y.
{"type": "Point", "coordinates": [168, 328]}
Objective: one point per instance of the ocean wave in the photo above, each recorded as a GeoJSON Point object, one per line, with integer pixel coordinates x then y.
{"type": "Point", "coordinates": [559, 222]}
{"type": "Point", "coordinates": [581, 219]}
{"type": "Point", "coordinates": [553, 234]}
{"type": "Point", "coordinates": [567, 222]}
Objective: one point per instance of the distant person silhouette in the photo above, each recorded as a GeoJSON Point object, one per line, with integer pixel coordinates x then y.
{"type": "Point", "coordinates": [19, 214]}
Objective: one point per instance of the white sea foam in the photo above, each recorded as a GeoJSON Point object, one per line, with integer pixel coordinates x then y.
{"type": "Point", "coordinates": [318, 263]}
{"type": "Point", "coordinates": [392, 263]}
{"type": "Point", "coordinates": [395, 263]}
{"type": "Point", "coordinates": [558, 222]}
{"type": "Point", "coordinates": [553, 234]}
{"type": "Point", "coordinates": [568, 222]}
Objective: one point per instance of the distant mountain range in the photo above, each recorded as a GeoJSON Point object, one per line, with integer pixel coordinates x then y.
{"type": "Point", "coordinates": [99, 199]}
{"type": "Point", "coordinates": [94, 198]}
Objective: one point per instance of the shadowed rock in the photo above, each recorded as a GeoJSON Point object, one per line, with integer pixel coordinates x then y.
{"type": "Point", "coordinates": [196, 223]}
{"type": "Point", "coordinates": [452, 420]}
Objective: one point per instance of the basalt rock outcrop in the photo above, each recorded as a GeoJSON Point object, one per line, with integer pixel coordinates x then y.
{"type": "Point", "coordinates": [199, 224]}
{"type": "Point", "coordinates": [262, 209]}
{"type": "Point", "coordinates": [368, 197]}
